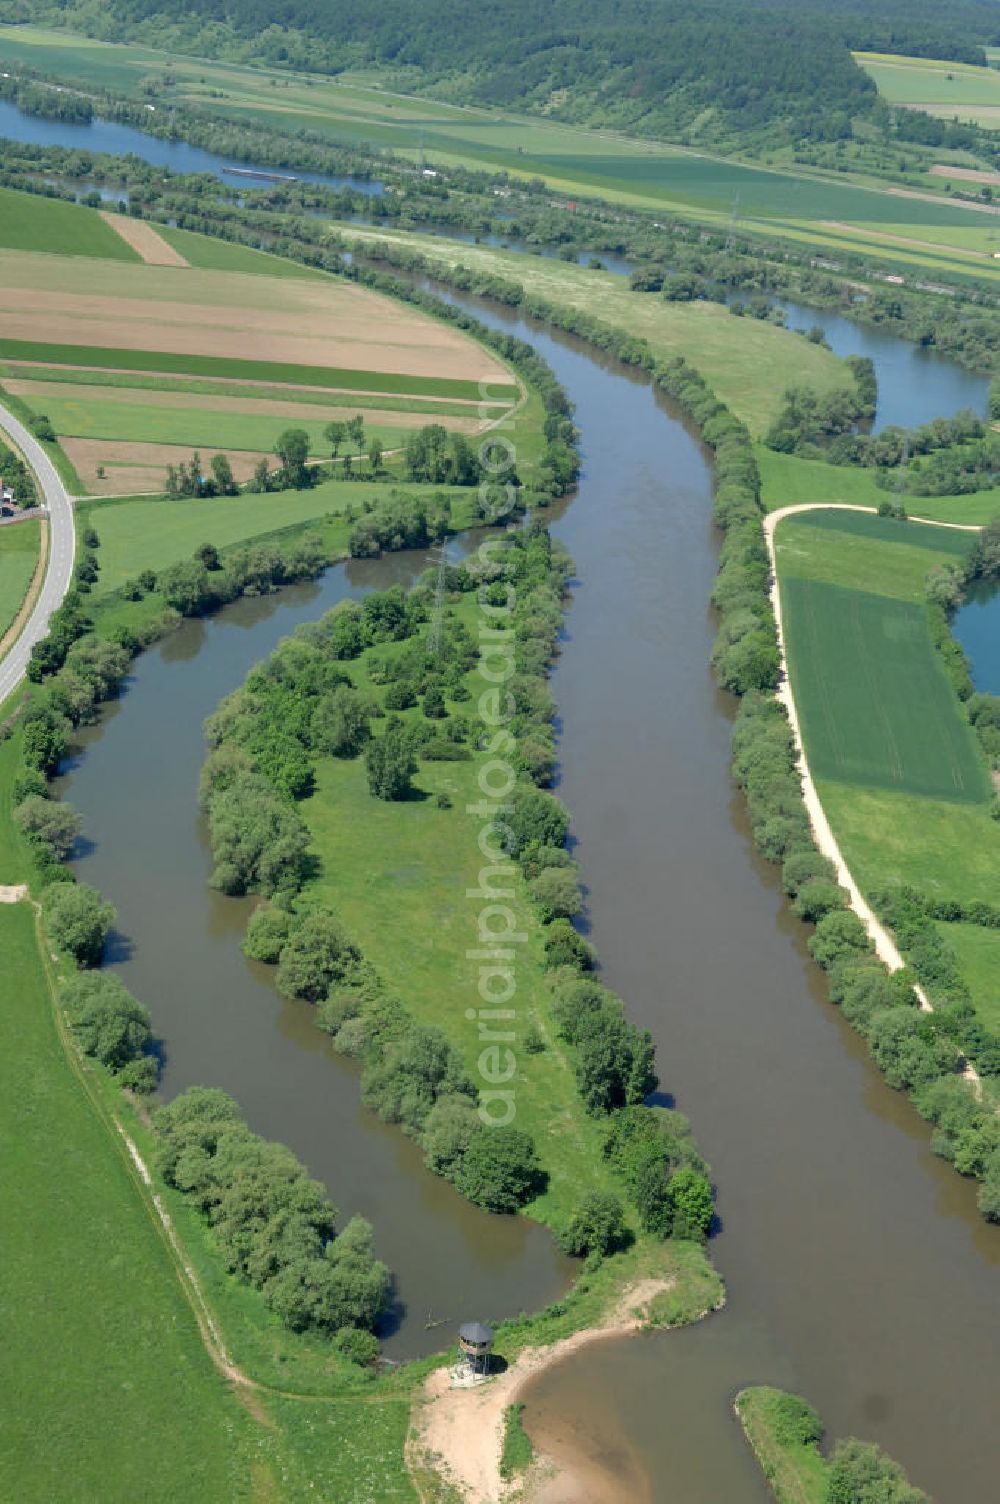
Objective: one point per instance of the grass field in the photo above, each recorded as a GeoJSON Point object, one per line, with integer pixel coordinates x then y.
{"type": "Point", "coordinates": [787, 480]}
{"type": "Point", "coordinates": [878, 555]}
{"type": "Point", "coordinates": [29, 222]}
{"type": "Point", "coordinates": [951, 90]}
{"type": "Point", "coordinates": [198, 427]}
{"type": "Point", "coordinates": [18, 557]}
{"type": "Point", "coordinates": [979, 956]}
{"type": "Point", "coordinates": [796, 1471]}
{"type": "Point", "coordinates": [104, 1370]}
{"type": "Point", "coordinates": [355, 109]}
{"type": "Point", "coordinates": [397, 875]}
{"type": "Point", "coordinates": [137, 532]}
{"type": "Point", "coordinates": [747, 362]}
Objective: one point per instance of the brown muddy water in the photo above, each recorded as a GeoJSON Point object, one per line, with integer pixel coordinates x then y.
{"type": "Point", "coordinates": [857, 1268]}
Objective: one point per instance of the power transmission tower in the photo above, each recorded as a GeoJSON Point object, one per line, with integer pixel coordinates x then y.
{"type": "Point", "coordinates": [734, 221]}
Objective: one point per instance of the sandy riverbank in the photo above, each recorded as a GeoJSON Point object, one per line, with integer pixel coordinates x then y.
{"type": "Point", "coordinates": [460, 1431]}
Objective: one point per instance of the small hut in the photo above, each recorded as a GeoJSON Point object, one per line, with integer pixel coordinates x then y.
{"type": "Point", "coordinates": [475, 1343]}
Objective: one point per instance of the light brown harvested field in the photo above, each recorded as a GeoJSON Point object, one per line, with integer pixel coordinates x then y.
{"type": "Point", "coordinates": [142, 237]}
{"type": "Point", "coordinates": [184, 310]}
{"type": "Point", "coordinates": [146, 397]}
{"type": "Point", "coordinates": [965, 174]}
{"type": "Point", "coordinates": [131, 469]}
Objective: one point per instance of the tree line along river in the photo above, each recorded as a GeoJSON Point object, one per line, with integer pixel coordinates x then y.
{"type": "Point", "coordinates": [858, 1270]}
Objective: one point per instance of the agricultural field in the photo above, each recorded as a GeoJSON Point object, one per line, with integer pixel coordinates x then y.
{"type": "Point", "coordinates": [356, 110]}
{"type": "Point", "coordinates": [948, 89]}
{"type": "Point", "coordinates": [897, 767]}
{"type": "Point", "coordinates": [19, 544]}
{"type": "Point", "coordinates": [29, 222]}
{"type": "Point", "coordinates": [136, 363]}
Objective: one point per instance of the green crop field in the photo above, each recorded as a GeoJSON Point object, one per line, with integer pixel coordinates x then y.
{"type": "Point", "coordinates": [18, 556]}
{"type": "Point", "coordinates": [875, 705]}
{"type": "Point", "coordinates": [576, 160]}
{"type": "Point", "coordinates": [936, 85]}
{"type": "Point", "coordinates": [29, 222]}
{"type": "Point", "coordinates": [69, 377]}
{"type": "Point", "coordinates": [245, 370]}
{"type": "Point", "coordinates": [133, 422]}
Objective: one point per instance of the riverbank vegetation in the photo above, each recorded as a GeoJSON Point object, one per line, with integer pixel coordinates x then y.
{"type": "Point", "coordinates": [784, 1433]}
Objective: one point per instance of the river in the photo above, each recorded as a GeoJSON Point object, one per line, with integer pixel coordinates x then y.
{"type": "Point", "coordinates": [857, 1267]}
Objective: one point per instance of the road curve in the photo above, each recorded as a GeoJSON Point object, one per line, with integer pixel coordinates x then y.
{"type": "Point", "coordinates": [62, 549]}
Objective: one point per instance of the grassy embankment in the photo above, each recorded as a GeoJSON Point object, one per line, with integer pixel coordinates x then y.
{"type": "Point", "coordinates": [899, 771]}
{"type": "Point", "coordinates": [824, 211]}
{"type": "Point", "coordinates": [19, 547]}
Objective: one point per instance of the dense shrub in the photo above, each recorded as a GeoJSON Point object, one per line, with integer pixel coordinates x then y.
{"type": "Point", "coordinates": [274, 1226]}
{"type": "Point", "coordinates": [111, 1025]}
{"type": "Point", "coordinates": [596, 1226]}
{"type": "Point", "coordinates": [258, 841]}
{"type": "Point", "coordinates": [79, 920]}
{"type": "Point", "coordinates": [499, 1170]}
{"type": "Point", "coordinates": [49, 824]}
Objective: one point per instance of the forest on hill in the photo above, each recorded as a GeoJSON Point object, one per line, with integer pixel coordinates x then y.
{"type": "Point", "coordinates": [749, 71]}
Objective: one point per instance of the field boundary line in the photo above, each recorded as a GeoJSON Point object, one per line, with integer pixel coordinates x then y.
{"type": "Point", "coordinates": [885, 946]}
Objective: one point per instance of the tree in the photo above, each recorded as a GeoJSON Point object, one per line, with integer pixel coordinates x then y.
{"type": "Point", "coordinates": [499, 1170]}
{"type": "Point", "coordinates": [267, 934]}
{"type": "Point", "coordinates": [79, 920]}
{"type": "Point", "coordinates": [596, 1226]}
{"type": "Point", "coordinates": [45, 737]}
{"type": "Point", "coordinates": [434, 706]}
{"type": "Point", "coordinates": [222, 473]}
{"type": "Point", "coordinates": [208, 554]}
{"type": "Point", "coordinates": [346, 465]}
{"type": "Point", "coordinates": [50, 824]}
{"type": "Point", "coordinates": [689, 1194]}
{"type": "Point", "coordinates": [390, 763]}
{"type": "Point", "coordinates": [451, 1125]}
{"type": "Point", "coordinates": [556, 893]}
{"type": "Point", "coordinates": [292, 448]}
{"type": "Point", "coordinates": [186, 586]}
{"type": "Point", "coordinates": [375, 455]}
{"type": "Point", "coordinates": [335, 433]}
{"type": "Point", "coordinates": [356, 432]}
{"type": "Point", "coordinates": [261, 480]}
{"type": "Point", "coordinates": [317, 954]}
{"type": "Point", "coordinates": [340, 723]}
{"type": "Point", "coordinates": [861, 1474]}
{"type": "Point", "coordinates": [110, 1023]}
{"type": "Point", "coordinates": [537, 817]}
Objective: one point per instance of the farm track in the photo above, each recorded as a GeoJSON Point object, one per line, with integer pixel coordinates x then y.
{"type": "Point", "coordinates": [885, 946]}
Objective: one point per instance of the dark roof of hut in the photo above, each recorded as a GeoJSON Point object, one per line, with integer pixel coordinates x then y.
{"type": "Point", "coordinates": [476, 1333]}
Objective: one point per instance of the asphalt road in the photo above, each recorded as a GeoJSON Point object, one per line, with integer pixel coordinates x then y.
{"type": "Point", "coordinates": [62, 548]}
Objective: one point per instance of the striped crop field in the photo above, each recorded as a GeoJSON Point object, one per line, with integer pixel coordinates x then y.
{"type": "Point", "coordinates": [136, 346]}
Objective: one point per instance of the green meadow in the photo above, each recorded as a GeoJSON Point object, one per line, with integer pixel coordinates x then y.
{"type": "Point", "coordinates": [29, 222]}
{"type": "Point", "coordinates": [108, 1392]}
{"type": "Point", "coordinates": [136, 422]}
{"type": "Point", "coordinates": [878, 555]}
{"type": "Point", "coordinates": [19, 545]}
{"type": "Point", "coordinates": [730, 353]}
{"type": "Point", "coordinates": [796, 1470]}
{"type": "Point", "coordinates": [787, 480]}
{"type": "Point", "coordinates": [979, 957]}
